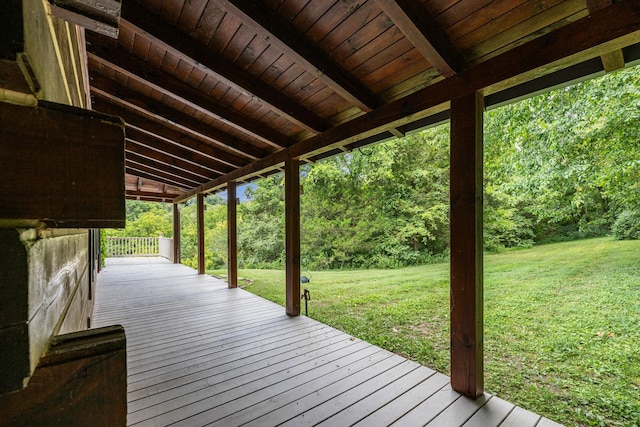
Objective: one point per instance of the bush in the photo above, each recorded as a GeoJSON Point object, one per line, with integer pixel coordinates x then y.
{"type": "Point", "coordinates": [627, 226]}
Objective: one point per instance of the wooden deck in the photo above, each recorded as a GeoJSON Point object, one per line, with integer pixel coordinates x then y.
{"type": "Point", "coordinates": [201, 354]}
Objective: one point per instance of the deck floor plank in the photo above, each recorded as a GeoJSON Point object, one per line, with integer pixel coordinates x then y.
{"type": "Point", "coordinates": [200, 354]}
{"type": "Point", "coordinates": [240, 379]}
{"type": "Point", "coordinates": [389, 413]}
{"type": "Point", "coordinates": [520, 418]}
{"type": "Point", "coordinates": [492, 413]}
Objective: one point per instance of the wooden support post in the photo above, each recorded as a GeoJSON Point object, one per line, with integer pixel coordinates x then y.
{"type": "Point", "coordinates": [176, 234]}
{"type": "Point", "coordinates": [232, 235]}
{"type": "Point", "coordinates": [467, 365]}
{"type": "Point", "coordinates": [200, 221]}
{"type": "Point", "coordinates": [292, 231]}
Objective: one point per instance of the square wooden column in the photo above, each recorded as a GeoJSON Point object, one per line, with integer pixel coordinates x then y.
{"type": "Point", "coordinates": [232, 235]}
{"type": "Point", "coordinates": [292, 231]}
{"type": "Point", "coordinates": [176, 234]}
{"type": "Point", "coordinates": [467, 348]}
{"type": "Point", "coordinates": [200, 222]}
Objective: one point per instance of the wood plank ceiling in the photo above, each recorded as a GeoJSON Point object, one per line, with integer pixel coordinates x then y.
{"type": "Point", "coordinates": [228, 89]}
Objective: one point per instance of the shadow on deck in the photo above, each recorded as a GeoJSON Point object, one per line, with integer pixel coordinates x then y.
{"type": "Point", "coordinates": [199, 353]}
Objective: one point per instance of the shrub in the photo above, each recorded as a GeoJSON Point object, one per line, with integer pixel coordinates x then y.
{"type": "Point", "coordinates": [627, 226]}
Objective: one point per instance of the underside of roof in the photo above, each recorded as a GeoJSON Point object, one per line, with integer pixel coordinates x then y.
{"type": "Point", "coordinates": [227, 90]}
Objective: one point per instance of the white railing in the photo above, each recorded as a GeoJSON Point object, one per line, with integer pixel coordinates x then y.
{"type": "Point", "coordinates": [132, 246]}
{"type": "Point", "coordinates": [166, 248]}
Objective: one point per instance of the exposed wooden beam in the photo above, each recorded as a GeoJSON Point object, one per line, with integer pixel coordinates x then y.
{"type": "Point", "coordinates": [153, 166]}
{"type": "Point", "coordinates": [146, 172]}
{"type": "Point", "coordinates": [423, 32]}
{"type": "Point", "coordinates": [227, 148]}
{"type": "Point", "coordinates": [613, 60]}
{"type": "Point", "coordinates": [108, 54]}
{"type": "Point", "coordinates": [138, 183]}
{"type": "Point", "coordinates": [148, 199]}
{"type": "Point", "coordinates": [176, 234]}
{"type": "Point", "coordinates": [466, 312]}
{"type": "Point", "coordinates": [185, 167]}
{"type": "Point", "coordinates": [292, 232]}
{"type": "Point", "coordinates": [232, 235]}
{"type": "Point", "coordinates": [296, 45]}
{"type": "Point", "coordinates": [137, 18]}
{"type": "Point", "coordinates": [167, 134]}
{"type": "Point", "coordinates": [147, 140]}
{"type": "Point", "coordinates": [101, 16]}
{"type": "Point", "coordinates": [397, 132]}
{"type": "Point", "coordinates": [200, 231]}
{"type": "Point", "coordinates": [616, 25]}
{"type": "Point", "coordinates": [150, 194]}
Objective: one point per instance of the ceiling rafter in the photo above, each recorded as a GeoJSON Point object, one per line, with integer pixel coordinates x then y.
{"type": "Point", "coordinates": [185, 168]}
{"type": "Point", "coordinates": [296, 45]}
{"type": "Point", "coordinates": [425, 34]}
{"type": "Point", "coordinates": [137, 18]}
{"type": "Point", "coordinates": [615, 25]}
{"type": "Point", "coordinates": [613, 60]}
{"type": "Point", "coordinates": [106, 53]}
{"type": "Point", "coordinates": [175, 150]}
{"type": "Point", "coordinates": [149, 196]}
{"type": "Point", "coordinates": [147, 172]}
{"type": "Point", "coordinates": [149, 164]}
{"type": "Point", "coordinates": [134, 183]}
{"type": "Point", "coordinates": [135, 117]}
{"type": "Point", "coordinates": [141, 127]}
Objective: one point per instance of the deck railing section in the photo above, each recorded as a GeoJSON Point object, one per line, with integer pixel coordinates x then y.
{"type": "Point", "coordinates": [166, 248]}
{"type": "Point", "coordinates": [132, 246]}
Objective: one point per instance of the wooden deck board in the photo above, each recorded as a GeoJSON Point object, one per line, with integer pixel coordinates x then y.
{"type": "Point", "coordinates": [199, 354]}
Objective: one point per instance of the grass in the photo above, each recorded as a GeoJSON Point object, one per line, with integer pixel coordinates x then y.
{"type": "Point", "coordinates": [562, 323]}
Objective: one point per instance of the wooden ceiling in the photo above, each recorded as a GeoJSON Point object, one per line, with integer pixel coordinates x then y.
{"type": "Point", "coordinates": [221, 90]}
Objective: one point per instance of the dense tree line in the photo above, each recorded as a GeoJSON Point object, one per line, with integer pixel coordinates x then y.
{"type": "Point", "coordinates": [559, 166]}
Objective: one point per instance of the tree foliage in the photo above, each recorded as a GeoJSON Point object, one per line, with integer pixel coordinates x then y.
{"type": "Point", "coordinates": [569, 159]}
{"type": "Point", "coordinates": [146, 219]}
{"type": "Point", "coordinates": [383, 206]}
{"type": "Point", "coordinates": [559, 166]}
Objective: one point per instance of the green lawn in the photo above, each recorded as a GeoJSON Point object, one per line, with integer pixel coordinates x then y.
{"type": "Point", "coordinates": [562, 323]}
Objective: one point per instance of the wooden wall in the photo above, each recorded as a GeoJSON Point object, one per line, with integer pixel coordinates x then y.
{"type": "Point", "coordinates": [44, 290]}
{"type": "Point", "coordinates": [89, 370]}
{"type": "Point", "coordinates": [55, 50]}
{"type": "Point", "coordinates": [47, 274]}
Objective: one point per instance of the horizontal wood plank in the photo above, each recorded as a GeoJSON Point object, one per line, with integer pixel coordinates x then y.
{"type": "Point", "coordinates": [200, 353]}
{"type": "Point", "coordinates": [67, 166]}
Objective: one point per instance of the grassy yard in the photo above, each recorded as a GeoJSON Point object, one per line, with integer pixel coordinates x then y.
{"type": "Point", "coordinates": [562, 323]}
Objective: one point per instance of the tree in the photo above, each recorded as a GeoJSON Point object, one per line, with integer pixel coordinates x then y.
{"type": "Point", "coordinates": [569, 159]}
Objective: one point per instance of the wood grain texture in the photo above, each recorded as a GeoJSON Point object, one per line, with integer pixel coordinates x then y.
{"type": "Point", "coordinates": [200, 231]}
{"type": "Point", "coordinates": [226, 71]}
{"type": "Point", "coordinates": [80, 381]}
{"type": "Point", "coordinates": [292, 235]}
{"type": "Point", "coordinates": [177, 233]}
{"type": "Point", "coordinates": [67, 166]}
{"type": "Point", "coordinates": [232, 235]}
{"type": "Point", "coordinates": [200, 353]}
{"type": "Point", "coordinates": [466, 268]}
{"type": "Point", "coordinates": [585, 38]}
